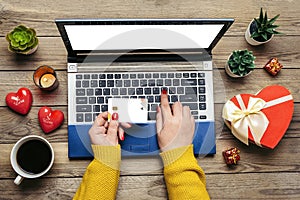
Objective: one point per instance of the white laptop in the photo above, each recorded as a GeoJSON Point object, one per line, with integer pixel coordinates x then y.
{"type": "Point", "coordinates": [137, 59]}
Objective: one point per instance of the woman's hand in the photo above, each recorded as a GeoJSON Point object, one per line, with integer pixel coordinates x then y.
{"type": "Point", "coordinates": [106, 133]}
{"type": "Point", "coordinates": [175, 128]}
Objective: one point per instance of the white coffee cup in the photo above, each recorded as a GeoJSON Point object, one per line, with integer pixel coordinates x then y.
{"type": "Point", "coordinates": [31, 157]}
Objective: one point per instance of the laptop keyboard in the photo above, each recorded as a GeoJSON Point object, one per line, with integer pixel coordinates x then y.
{"type": "Point", "coordinates": [93, 91]}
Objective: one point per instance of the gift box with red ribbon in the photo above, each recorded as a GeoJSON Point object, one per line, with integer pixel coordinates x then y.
{"type": "Point", "coordinates": [262, 118]}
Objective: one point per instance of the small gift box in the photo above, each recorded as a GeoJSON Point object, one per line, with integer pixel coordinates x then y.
{"type": "Point", "coordinates": [262, 118]}
{"type": "Point", "coordinates": [273, 66]}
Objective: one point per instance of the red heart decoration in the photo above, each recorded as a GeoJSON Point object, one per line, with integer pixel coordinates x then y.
{"type": "Point", "coordinates": [19, 102]}
{"type": "Point", "coordinates": [50, 119]}
{"type": "Point", "coordinates": [279, 115]}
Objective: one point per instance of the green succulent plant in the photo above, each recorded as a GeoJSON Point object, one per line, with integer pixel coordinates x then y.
{"type": "Point", "coordinates": [241, 62]}
{"type": "Point", "coordinates": [22, 40]}
{"type": "Point", "coordinates": [263, 28]}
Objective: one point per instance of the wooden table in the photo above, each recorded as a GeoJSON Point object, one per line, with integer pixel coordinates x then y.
{"type": "Point", "coordinates": [261, 173]}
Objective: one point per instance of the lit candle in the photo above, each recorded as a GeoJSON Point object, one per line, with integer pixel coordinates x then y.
{"type": "Point", "coordinates": [45, 78]}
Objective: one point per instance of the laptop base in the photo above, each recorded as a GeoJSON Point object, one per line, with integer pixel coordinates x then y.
{"type": "Point", "coordinates": [140, 140]}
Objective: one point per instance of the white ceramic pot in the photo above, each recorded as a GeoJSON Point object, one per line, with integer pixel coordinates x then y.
{"type": "Point", "coordinates": [250, 40]}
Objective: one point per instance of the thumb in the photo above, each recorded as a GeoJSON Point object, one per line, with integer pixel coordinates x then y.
{"type": "Point", "coordinates": [112, 131]}
{"type": "Point", "coordinates": [159, 120]}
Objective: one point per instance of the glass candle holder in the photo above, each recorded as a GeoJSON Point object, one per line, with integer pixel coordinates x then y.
{"type": "Point", "coordinates": [45, 78]}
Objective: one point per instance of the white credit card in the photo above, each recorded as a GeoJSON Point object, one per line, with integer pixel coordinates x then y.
{"type": "Point", "coordinates": [129, 110]}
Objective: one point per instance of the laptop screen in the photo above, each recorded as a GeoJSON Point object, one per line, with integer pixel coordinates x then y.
{"type": "Point", "coordinates": [131, 37]}
{"type": "Point", "coordinates": [82, 36]}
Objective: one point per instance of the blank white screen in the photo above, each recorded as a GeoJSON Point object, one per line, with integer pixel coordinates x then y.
{"type": "Point", "coordinates": [121, 37]}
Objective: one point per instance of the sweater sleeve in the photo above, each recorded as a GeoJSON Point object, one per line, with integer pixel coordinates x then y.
{"type": "Point", "coordinates": [101, 178]}
{"type": "Point", "coordinates": [183, 176]}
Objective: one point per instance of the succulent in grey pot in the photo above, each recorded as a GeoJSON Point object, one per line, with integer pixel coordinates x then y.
{"type": "Point", "coordinates": [22, 40]}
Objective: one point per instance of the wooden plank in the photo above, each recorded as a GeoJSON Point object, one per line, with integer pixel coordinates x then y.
{"type": "Point", "coordinates": [284, 158]}
{"type": "Point", "coordinates": [42, 19]}
{"type": "Point", "coordinates": [225, 186]}
{"type": "Point", "coordinates": [52, 52]}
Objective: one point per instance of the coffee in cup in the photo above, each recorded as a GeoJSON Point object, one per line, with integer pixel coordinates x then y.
{"type": "Point", "coordinates": [31, 157]}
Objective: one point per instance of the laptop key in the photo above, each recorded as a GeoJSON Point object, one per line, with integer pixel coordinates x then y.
{"type": "Point", "coordinates": [117, 76]}
{"type": "Point", "coordinates": [104, 108]}
{"type": "Point", "coordinates": [88, 117]}
{"type": "Point", "coordinates": [193, 75]}
{"type": "Point", "coordinates": [94, 83]}
{"type": "Point", "coordinates": [147, 90]}
{"type": "Point", "coordinates": [127, 83]}
{"type": "Point", "coordinates": [203, 117]}
{"type": "Point", "coordinates": [150, 99]}
{"type": "Point", "coordinates": [178, 75]}
{"type": "Point", "coordinates": [119, 83]}
{"type": "Point", "coordinates": [201, 82]}
{"type": "Point", "coordinates": [188, 98]}
{"type": "Point", "coordinates": [202, 98]}
{"type": "Point", "coordinates": [78, 76]}
{"type": "Point", "coordinates": [123, 91]}
{"type": "Point", "coordinates": [102, 83]}
{"type": "Point", "coordinates": [86, 76]}
{"type": "Point", "coordinates": [92, 100]}
{"type": "Point", "coordinates": [193, 106]}
{"type": "Point", "coordinates": [202, 106]}
{"type": "Point", "coordinates": [201, 90]}
{"type": "Point", "coordinates": [85, 84]}
{"type": "Point", "coordinates": [106, 91]}
{"type": "Point", "coordinates": [191, 90]}
{"type": "Point", "coordinates": [109, 76]}
{"type": "Point", "coordinates": [80, 92]}
{"type": "Point", "coordinates": [100, 100]}
{"type": "Point", "coordinates": [90, 92]}
{"type": "Point", "coordinates": [174, 98]}
{"type": "Point", "coordinates": [201, 74]}
{"type": "Point", "coordinates": [141, 75]}
{"type": "Point", "coordinates": [156, 75]}
{"type": "Point", "coordinates": [78, 84]}
{"type": "Point", "coordinates": [94, 76]}
{"type": "Point", "coordinates": [186, 75]}
{"type": "Point", "coordinates": [151, 115]}
{"type": "Point", "coordinates": [98, 91]}
{"type": "Point", "coordinates": [188, 82]}
{"type": "Point", "coordinates": [81, 100]}
{"type": "Point", "coordinates": [115, 91]}
{"type": "Point", "coordinates": [110, 83]}
{"type": "Point", "coordinates": [168, 82]}
{"type": "Point", "coordinates": [83, 108]}
{"type": "Point", "coordinates": [139, 91]}
{"type": "Point", "coordinates": [155, 91]}
{"type": "Point", "coordinates": [79, 117]}
{"type": "Point", "coordinates": [102, 76]}
{"type": "Point", "coordinates": [96, 108]}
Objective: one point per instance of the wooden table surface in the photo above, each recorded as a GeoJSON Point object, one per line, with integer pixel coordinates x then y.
{"type": "Point", "coordinates": [261, 173]}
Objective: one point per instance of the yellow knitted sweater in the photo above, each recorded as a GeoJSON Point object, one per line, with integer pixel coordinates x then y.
{"type": "Point", "coordinates": [185, 180]}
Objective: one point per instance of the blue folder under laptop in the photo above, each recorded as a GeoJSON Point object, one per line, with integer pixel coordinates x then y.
{"type": "Point", "coordinates": [89, 88]}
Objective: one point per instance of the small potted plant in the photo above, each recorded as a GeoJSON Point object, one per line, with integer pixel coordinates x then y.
{"type": "Point", "coordinates": [22, 40]}
{"type": "Point", "coordinates": [240, 63]}
{"type": "Point", "coordinates": [261, 30]}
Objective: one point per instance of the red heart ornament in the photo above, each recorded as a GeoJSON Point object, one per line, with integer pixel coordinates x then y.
{"type": "Point", "coordinates": [50, 119]}
{"type": "Point", "coordinates": [279, 113]}
{"type": "Point", "coordinates": [19, 102]}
